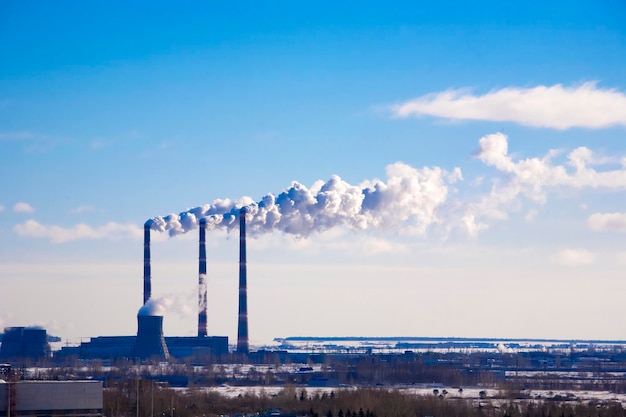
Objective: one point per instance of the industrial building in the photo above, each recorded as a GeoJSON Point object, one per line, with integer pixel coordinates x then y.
{"type": "Point", "coordinates": [178, 347]}
{"type": "Point", "coordinates": [150, 343]}
{"type": "Point", "coordinates": [49, 398]}
{"type": "Point", "coordinates": [24, 343]}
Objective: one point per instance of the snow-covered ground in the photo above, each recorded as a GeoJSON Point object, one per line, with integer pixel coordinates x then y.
{"type": "Point", "coordinates": [471, 393]}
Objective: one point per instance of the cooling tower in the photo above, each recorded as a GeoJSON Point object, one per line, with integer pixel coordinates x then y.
{"type": "Point", "coordinates": [202, 290]}
{"type": "Point", "coordinates": [242, 329]}
{"type": "Point", "coordinates": [150, 342]}
{"type": "Point", "coordinates": [147, 273]}
{"type": "Point", "coordinates": [35, 342]}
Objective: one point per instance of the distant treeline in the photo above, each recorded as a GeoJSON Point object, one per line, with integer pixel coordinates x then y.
{"type": "Point", "coordinates": [443, 339]}
{"type": "Point", "coordinates": [122, 400]}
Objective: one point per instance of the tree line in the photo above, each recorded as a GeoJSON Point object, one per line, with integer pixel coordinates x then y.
{"type": "Point", "coordinates": [144, 398]}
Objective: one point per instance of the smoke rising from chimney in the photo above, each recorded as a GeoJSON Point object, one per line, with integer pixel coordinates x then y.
{"type": "Point", "coordinates": [242, 327]}
{"type": "Point", "coordinates": [202, 287]}
{"type": "Point", "coordinates": [167, 304]}
{"type": "Point", "coordinates": [155, 307]}
{"type": "Point", "coordinates": [408, 201]}
{"type": "Point", "coordinates": [147, 269]}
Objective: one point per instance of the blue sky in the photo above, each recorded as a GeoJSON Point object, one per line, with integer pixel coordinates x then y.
{"type": "Point", "coordinates": [495, 135]}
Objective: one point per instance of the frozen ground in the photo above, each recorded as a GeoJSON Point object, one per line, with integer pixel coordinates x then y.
{"type": "Point", "coordinates": [471, 393]}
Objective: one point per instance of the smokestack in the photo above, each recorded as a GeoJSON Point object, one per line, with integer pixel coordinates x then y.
{"type": "Point", "coordinates": [202, 290]}
{"type": "Point", "coordinates": [149, 341]}
{"type": "Point", "coordinates": [147, 273]}
{"type": "Point", "coordinates": [242, 329]}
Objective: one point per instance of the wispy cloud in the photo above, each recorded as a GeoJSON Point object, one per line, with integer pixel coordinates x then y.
{"type": "Point", "coordinates": [1, 208]}
{"type": "Point", "coordinates": [621, 258]}
{"type": "Point", "coordinates": [574, 257]}
{"type": "Point", "coordinates": [58, 234]}
{"type": "Point", "coordinates": [82, 209]}
{"type": "Point", "coordinates": [607, 222]}
{"type": "Point", "coordinates": [533, 178]}
{"type": "Point", "coordinates": [33, 142]}
{"type": "Point", "coordinates": [555, 107]}
{"type": "Point", "coordinates": [530, 216]}
{"type": "Point", "coordinates": [97, 144]}
{"type": "Point", "coordinates": [22, 207]}
{"type": "Point", "coordinates": [368, 245]}
{"type": "Point", "coordinates": [10, 136]}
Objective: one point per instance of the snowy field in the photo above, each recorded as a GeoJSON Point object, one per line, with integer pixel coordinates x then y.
{"type": "Point", "coordinates": [471, 393]}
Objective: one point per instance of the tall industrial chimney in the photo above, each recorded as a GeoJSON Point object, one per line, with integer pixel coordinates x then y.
{"type": "Point", "coordinates": [147, 274]}
{"type": "Point", "coordinates": [149, 341]}
{"type": "Point", "coordinates": [242, 329]}
{"type": "Point", "coordinates": [202, 290]}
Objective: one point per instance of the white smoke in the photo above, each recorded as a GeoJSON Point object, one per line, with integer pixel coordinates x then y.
{"type": "Point", "coordinates": [170, 303]}
{"type": "Point", "coordinates": [534, 178]}
{"type": "Point", "coordinates": [155, 307]}
{"type": "Point", "coordinates": [202, 302]}
{"type": "Point", "coordinates": [409, 201]}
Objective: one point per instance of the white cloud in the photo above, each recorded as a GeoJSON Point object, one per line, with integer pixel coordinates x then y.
{"type": "Point", "coordinates": [1, 208]}
{"type": "Point", "coordinates": [58, 234]}
{"type": "Point", "coordinates": [610, 222]}
{"type": "Point", "coordinates": [471, 226]}
{"type": "Point", "coordinates": [574, 257]}
{"type": "Point", "coordinates": [534, 177]}
{"type": "Point", "coordinates": [23, 208]}
{"type": "Point", "coordinates": [555, 107]}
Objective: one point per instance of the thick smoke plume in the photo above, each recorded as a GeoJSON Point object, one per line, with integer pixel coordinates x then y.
{"type": "Point", "coordinates": [408, 201]}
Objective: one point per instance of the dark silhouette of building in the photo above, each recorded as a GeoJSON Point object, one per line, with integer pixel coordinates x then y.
{"type": "Point", "coordinates": [24, 343]}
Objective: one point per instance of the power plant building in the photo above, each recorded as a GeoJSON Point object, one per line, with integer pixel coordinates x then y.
{"type": "Point", "coordinates": [181, 347]}
{"type": "Point", "coordinates": [150, 343]}
{"type": "Point", "coordinates": [24, 343]}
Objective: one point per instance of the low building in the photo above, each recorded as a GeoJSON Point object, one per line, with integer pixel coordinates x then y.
{"type": "Point", "coordinates": [24, 343]}
{"type": "Point", "coordinates": [51, 398]}
{"type": "Point", "coordinates": [116, 347]}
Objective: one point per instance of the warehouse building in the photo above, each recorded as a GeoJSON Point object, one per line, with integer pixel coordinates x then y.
{"type": "Point", "coordinates": [51, 398]}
